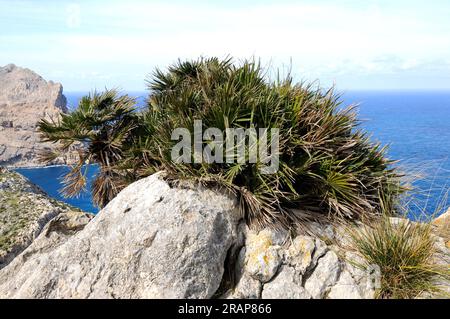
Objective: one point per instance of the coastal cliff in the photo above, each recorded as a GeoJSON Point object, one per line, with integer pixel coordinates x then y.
{"type": "Point", "coordinates": [24, 212]}
{"type": "Point", "coordinates": [25, 98]}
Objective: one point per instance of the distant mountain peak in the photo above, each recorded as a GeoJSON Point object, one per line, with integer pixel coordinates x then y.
{"type": "Point", "coordinates": [25, 98]}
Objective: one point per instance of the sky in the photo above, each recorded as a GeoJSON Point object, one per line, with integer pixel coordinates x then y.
{"type": "Point", "coordinates": [352, 44]}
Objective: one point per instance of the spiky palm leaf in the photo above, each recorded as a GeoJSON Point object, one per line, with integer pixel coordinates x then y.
{"type": "Point", "coordinates": [326, 165]}
{"type": "Point", "coordinates": [102, 125]}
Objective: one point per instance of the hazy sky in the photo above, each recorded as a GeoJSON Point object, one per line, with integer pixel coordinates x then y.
{"type": "Point", "coordinates": [356, 44]}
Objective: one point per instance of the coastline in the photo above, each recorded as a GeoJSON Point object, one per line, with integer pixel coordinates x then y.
{"type": "Point", "coordinates": [33, 166]}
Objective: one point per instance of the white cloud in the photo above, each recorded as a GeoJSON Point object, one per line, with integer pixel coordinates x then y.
{"type": "Point", "coordinates": [322, 39]}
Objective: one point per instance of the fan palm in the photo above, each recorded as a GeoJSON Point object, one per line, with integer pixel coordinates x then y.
{"type": "Point", "coordinates": [100, 128]}
{"type": "Point", "coordinates": [327, 166]}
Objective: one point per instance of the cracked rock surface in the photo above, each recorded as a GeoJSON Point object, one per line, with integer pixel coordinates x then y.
{"type": "Point", "coordinates": [304, 267]}
{"type": "Point", "coordinates": [151, 241]}
{"type": "Point", "coordinates": [155, 240]}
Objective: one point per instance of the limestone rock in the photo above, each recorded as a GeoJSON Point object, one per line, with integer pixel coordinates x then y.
{"type": "Point", "coordinates": [324, 231]}
{"type": "Point", "coordinates": [324, 275]}
{"type": "Point", "coordinates": [442, 224]}
{"type": "Point", "coordinates": [306, 268]}
{"type": "Point", "coordinates": [263, 254]}
{"type": "Point", "coordinates": [155, 240]}
{"type": "Point", "coordinates": [286, 285]}
{"type": "Point", "coordinates": [25, 98]}
{"type": "Point", "coordinates": [300, 253]}
{"type": "Point", "coordinates": [151, 241]}
{"type": "Point", "coordinates": [320, 251]}
{"type": "Point", "coordinates": [247, 287]}
{"type": "Point", "coordinates": [358, 268]}
{"type": "Point", "coordinates": [345, 288]}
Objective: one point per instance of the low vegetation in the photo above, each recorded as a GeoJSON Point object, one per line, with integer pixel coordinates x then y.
{"type": "Point", "coordinates": [24, 208]}
{"type": "Point", "coordinates": [327, 165]}
{"type": "Point", "coordinates": [406, 255]}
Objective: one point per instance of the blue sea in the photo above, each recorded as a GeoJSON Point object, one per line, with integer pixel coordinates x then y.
{"type": "Point", "coordinates": [50, 180]}
{"type": "Point", "coordinates": [415, 124]}
{"type": "Point", "coordinates": [73, 98]}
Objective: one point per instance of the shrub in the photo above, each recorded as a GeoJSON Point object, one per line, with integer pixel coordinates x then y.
{"type": "Point", "coordinates": [405, 253]}
{"type": "Point", "coordinates": [327, 166]}
{"type": "Point", "coordinates": [102, 127]}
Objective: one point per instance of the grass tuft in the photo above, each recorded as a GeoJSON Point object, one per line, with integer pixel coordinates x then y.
{"type": "Point", "coordinates": [406, 254]}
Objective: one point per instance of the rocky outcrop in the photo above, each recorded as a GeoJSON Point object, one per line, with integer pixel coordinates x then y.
{"type": "Point", "coordinates": [272, 264]}
{"type": "Point", "coordinates": [26, 97]}
{"type": "Point", "coordinates": [158, 241]}
{"type": "Point", "coordinates": [151, 241]}
{"type": "Point", "coordinates": [24, 211]}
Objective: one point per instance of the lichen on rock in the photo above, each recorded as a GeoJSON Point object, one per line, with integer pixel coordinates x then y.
{"type": "Point", "coordinates": [264, 253]}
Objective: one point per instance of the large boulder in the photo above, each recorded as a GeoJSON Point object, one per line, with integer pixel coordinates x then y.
{"type": "Point", "coordinates": [151, 241]}
{"type": "Point", "coordinates": [25, 98]}
{"type": "Point", "coordinates": [24, 211]}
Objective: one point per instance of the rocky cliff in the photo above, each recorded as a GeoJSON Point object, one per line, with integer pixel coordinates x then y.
{"type": "Point", "coordinates": [25, 97]}
{"type": "Point", "coordinates": [24, 211]}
